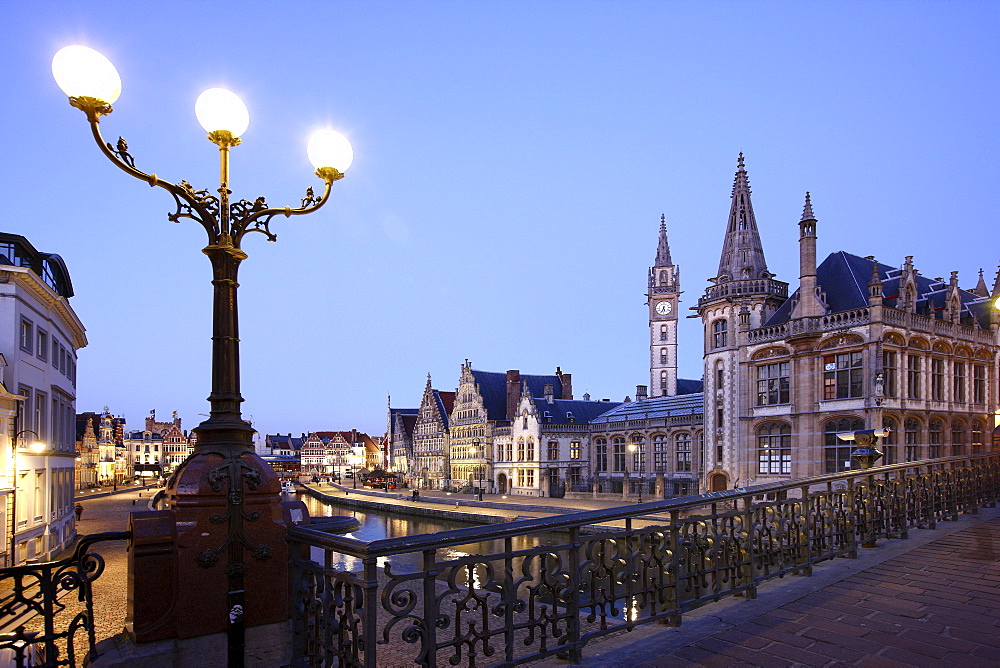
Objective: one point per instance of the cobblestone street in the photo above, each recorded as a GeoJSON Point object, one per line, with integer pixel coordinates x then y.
{"type": "Point", "coordinates": [101, 514]}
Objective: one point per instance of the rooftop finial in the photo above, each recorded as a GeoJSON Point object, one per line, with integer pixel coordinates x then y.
{"type": "Point", "coordinates": [807, 210]}
{"type": "Point", "coordinates": [739, 163]}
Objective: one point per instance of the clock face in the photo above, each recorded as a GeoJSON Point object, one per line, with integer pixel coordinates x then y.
{"type": "Point", "coordinates": [664, 308]}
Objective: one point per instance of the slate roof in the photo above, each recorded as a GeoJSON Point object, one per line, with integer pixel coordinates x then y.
{"type": "Point", "coordinates": [689, 386]}
{"type": "Point", "coordinates": [844, 278]}
{"type": "Point", "coordinates": [657, 407]}
{"type": "Point", "coordinates": [403, 412]}
{"type": "Point", "coordinates": [445, 402]}
{"type": "Point", "coordinates": [582, 411]}
{"type": "Point", "coordinates": [493, 388]}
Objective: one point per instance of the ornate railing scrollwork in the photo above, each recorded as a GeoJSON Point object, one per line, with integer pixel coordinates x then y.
{"type": "Point", "coordinates": [518, 606]}
{"type": "Point", "coordinates": [38, 591]}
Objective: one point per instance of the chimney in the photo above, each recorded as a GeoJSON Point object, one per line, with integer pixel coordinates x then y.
{"type": "Point", "coordinates": [641, 392]}
{"type": "Point", "coordinates": [513, 392]}
{"type": "Point", "coordinates": [548, 394]}
{"type": "Point", "coordinates": [566, 380]}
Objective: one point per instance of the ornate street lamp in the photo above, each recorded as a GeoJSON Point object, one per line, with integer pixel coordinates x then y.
{"type": "Point", "coordinates": [224, 457]}
{"type": "Point", "coordinates": [36, 446]}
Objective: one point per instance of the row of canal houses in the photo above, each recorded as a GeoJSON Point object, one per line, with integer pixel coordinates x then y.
{"type": "Point", "coordinates": [514, 433]}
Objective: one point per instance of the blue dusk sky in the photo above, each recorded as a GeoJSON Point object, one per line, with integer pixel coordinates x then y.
{"type": "Point", "coordinates": [512, 162]}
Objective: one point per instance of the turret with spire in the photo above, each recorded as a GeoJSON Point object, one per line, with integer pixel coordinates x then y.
{"type": "Point", "coordinates": [810, 301]}
{"type": "Point", "coordinates": [742, 253]}
{"type": "Point", "coordinates": [742, 267]}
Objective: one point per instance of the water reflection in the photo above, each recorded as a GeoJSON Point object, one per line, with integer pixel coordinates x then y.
{"type": "Point", "coordinates": [375, 526]}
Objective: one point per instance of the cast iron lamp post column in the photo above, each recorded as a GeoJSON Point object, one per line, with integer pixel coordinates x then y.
{"type": "Point", "coordinates": [223, 458]}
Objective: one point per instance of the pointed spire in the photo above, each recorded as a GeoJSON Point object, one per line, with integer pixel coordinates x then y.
{"type": "Point", "coordinates": [742, 253]}
{"type": "Point", "coordinates": [981, 289]}
{"type": "Point", "coordinates": [996, 285]}
{"type": "Point", "coordinates": [807, 210]}
{"type": "Point", "coordinates": [663, 248]}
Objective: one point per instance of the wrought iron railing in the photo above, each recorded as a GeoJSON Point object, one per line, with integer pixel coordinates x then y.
{"type": "Point", "coordinates": [36, 592]}
{"type": "Point", "coordinates": [658, 561]}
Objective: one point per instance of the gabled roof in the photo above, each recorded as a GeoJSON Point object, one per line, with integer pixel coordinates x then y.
{"type": "Point", "coordinates": [493, 388]}
{"type": "Point", "coordinates": [582, 412]}
{"type": "Point", "coordinates": [657, 407]}
{"type": "Point", "coordinates": [445, 402]}
{"type": "Point", "coordinates": [844, 278]}
{"type": "Point", "coordinates": [393, 412]}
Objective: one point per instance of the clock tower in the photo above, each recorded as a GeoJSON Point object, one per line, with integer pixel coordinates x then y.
{"type": "Point", "coordinates": [663, 298]}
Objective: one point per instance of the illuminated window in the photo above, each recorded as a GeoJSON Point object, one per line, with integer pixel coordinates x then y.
{"type": "Point", "coordinates": [842, 376]}
{"type": "Point", "coordinates": [774, 449]}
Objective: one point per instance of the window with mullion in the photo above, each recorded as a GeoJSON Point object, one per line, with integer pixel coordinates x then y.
{"type": "Point", "coordinates": [937, 379]}
{"type": "Point", "coordinates": [774, 449]}
{"type": "Point", "coordinates": [772, 384]}
{"type": "Point", "coordinates": [890, 373]}
{"type": "Point", "coordinates": [838, 452]}
{"type": "Point", "coordinates": [843, 376]}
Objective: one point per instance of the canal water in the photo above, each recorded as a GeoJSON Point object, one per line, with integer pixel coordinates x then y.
{"type": "Point", "coordinates": [375, 526]}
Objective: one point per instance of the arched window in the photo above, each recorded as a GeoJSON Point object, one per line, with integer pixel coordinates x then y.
{"type": "Point", "coordinates": [663, 332]}
{"type": "Point", "coordinates": [663, 382]}
{"type": "Point", "coordinates": [957, 438]}
{"type": "Point", "coordinates": [719, 334]}
{"type": "Point", "coordinates": [638, 453]}
{"type": "Point", "coordinates": [661, 453]}
{"type": "Point", "coordinates": [911, 439]}
{"type": "Point", "coordinates": [934, 429]}
{"type": "Point", "coordinates": [531, 449]}
{"type": "Point", "coordinates": [663, 355]}
{"type": "Point", "coordinates": [774, 449]}
{"type": "Point", "coordinates": [618, 453]}
{"type": "Point", "coordinates": [520, 449]}
{"type": "Point", "coordinates": [890, 441]}
{"type": "Point", "coordinates": [682, 445]}
{"type": "Point", "coordinates": [601, 455]}
{"type": "Point", "coordinates": [838, 453]}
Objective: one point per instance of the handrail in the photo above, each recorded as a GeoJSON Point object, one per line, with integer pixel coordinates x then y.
{"type": "Point", "coordinates": [531, 601]}
{"type": "Point", "coordinates": [388, 546]}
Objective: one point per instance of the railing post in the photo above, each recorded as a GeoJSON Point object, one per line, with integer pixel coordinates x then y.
{"type": "Point", "coordinates": [810, 529]}
{"type": "Point", "coordinates": [676, 566]}
{"type": "Point", "coordinates": [748, 530]}
{"type": "Point", "coordinates": [370, 631]}
{"type": "Point", "coordinates": [509, 600]}
{"type": "Point", "coordinates": [573, 604]}
{"type": "Point", "coordinates": [428, 657]}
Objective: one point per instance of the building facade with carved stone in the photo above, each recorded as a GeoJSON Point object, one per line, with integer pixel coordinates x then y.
{"type": "Point", "coordinates": [431, 440]}
{"type": "Point", "coordinates": [860, 344]}
{"type": "Point", "coordinates": [40, 335]}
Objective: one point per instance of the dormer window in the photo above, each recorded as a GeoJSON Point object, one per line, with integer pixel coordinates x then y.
{"type": "Point", "coordinates": [547, 416]}
{"type": "Point", "coordinates": [569, 417]}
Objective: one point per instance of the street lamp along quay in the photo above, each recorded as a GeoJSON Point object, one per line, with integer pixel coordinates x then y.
{"type": "Point", "coordinates": [36, 446]}
{"type": "Point", "coordinates": [223, 481]}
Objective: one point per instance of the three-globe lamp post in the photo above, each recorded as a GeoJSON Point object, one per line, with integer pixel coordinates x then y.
{"type": "Point", "coordinates": [93, 84]}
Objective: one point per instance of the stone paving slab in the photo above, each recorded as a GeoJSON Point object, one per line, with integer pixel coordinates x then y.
{"type": "Point", "coordinates": [932, 600]}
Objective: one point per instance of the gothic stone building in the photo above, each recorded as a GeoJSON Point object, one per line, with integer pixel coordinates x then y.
{"type": "Point", "coordinates": [431, 439]}
{"type": "Point", "coordinates": [860, 344]}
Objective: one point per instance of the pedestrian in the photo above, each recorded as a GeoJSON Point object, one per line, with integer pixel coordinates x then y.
{"type": "Point", "coordinates": [79, 511]}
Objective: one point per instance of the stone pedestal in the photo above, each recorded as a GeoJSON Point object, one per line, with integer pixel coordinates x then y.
{"type": "Point", "coordinates": [221, 512]}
